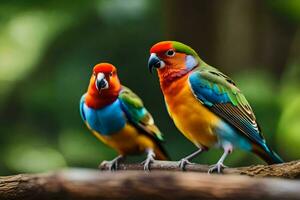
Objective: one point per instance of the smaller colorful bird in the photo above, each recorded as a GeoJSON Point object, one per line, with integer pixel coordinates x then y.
{"type": "Point", "coordinates": [206, 105]}
{"type": "Point", "coordinates": [117, 117]}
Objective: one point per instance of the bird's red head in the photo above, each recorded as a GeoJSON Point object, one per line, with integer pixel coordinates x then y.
{"type": "Point", "coordinates": [104, 68]}
{"type": "Point", "coordinates": [172, 60]}
{"type": "Point", "coordinates": [164, 55]}
{"type": "Point", "coordinates": [161, 47]}
{"type": "Point", "coordinates": [104, 86]}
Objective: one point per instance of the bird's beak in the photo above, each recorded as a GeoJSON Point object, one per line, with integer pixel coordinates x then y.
{"type": "Point", "coordinates": [101, 82]}
{"type": "Point", "coordinates": [155, 62]}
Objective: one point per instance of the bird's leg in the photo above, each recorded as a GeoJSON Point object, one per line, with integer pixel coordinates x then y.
{"type": "Point", "coordinates": [219, 166]}
{"type": "Point", "coordinates": [149, 159]}
{"type": "Point", "coordinates": [114, 163]}
{"type": "Point", "coordinates": [186, 160]}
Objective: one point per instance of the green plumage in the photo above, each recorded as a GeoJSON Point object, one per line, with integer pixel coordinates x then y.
{"type": "Point", "coordinates": [180, 47]}
{"type": "Point", "coordinates": [137, 113]}
{"type": "Point", "coordinates": [130, 98]}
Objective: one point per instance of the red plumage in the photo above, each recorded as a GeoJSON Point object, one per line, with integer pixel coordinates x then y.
{"type": "Point", "coordinates": [161, 47]}
{"type": "Point", "coordinates": [104, 68]}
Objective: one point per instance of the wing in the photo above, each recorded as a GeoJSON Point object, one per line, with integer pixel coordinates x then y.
{"type": "Point", "coordinates": [82, 112]}
{"type": "Point", "coordinates": [137, 113]}
{"type": "Point", "coordinates": [81, 104]}
{"type": "Point", "coordinates": [220, 94]}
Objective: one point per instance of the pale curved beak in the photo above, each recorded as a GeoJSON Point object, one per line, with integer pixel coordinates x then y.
{"type": "Point", "coordinates": [101, 82]}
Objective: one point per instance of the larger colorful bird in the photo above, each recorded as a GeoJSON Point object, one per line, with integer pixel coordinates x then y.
{"type": "Point", "coordinates": [206, 105]}
{"type": "Point", "coordinates": [117, 117]}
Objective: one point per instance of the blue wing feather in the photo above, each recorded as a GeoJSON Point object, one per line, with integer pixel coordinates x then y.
{"type": "Point", "coordinates": [81, 110]}
{"type": "Point", "coordinates": [207, 94]}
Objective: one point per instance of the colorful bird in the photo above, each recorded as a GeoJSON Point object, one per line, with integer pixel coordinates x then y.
{"type": "Point", "coordinates": [117, 117]}
{"type": "Point", "coordinates": [206, 105]}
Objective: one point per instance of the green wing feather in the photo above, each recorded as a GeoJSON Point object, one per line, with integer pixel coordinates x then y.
{"type": "Point", "coordinates": [137, 113]}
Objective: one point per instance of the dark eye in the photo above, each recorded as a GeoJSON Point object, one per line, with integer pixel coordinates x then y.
{"type": "Point", "coordinates": [111, 73]}
{"type": "Point", "coordinates": [170, 53]}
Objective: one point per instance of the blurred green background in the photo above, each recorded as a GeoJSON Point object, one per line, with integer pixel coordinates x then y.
{"type": "Point", "coordinates": [48, 49]}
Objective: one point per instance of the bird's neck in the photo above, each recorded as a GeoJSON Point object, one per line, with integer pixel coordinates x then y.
{"type": "Point", "coordinates": [95, 99]}
{"type": "Point", "coordinates": [175, 87]}
{"type": "Point", "coordinates": [169, 76]}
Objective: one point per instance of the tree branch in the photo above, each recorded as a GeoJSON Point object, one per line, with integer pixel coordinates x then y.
{"type": "Point", "coordinates": [286, 170]}
{"type": "Point", "coordinates": [80, 184]}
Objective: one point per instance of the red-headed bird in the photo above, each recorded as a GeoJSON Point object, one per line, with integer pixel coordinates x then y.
{"type": "Point", "coordinates": [206, 105]}
{"type": "Point", "coordinates": [117, 116]}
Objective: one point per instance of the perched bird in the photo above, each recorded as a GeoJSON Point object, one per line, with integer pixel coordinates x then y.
{"type": "Point", "coordinates": [117, 117]}
{"type": "Point", "coordinates": [206, 105]}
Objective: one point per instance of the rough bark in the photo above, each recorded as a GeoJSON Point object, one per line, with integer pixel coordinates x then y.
{"type": "Point", "coordinates": [286, 170]}
{"type": "Point", "coordinates": [80, 184]}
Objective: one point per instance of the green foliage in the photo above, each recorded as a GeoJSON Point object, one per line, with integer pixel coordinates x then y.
{"type": "Point", "coordinates": [289, 126]}
{"type": "Point", "coordinates": [287, 8]}
{"type": "Point", "coordinates": [82, 148]}
{"type": "Point", "coordinates": [288, 129]}
{"type": "Point", "coordinates": [28, 159]}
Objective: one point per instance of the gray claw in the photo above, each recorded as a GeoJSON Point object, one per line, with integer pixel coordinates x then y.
{"type": "Point", "coordinates": [183, 162]}
{"type": "Point", "coordinates": [147, 163]}
{"type": "Point", "coordinates": [217, 168]}
{"type": "Point", "coordinates": [149, 159]}
{"type": "Point", "coordinates": [113, 164]}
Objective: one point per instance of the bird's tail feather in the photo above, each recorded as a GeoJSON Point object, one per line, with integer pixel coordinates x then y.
{"type": "Point", "coordinates": [267, 154]}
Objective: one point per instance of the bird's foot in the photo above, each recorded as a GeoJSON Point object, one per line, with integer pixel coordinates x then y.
{"type": "Point", "coordinates": [183, 162]}
{"type": "Point", "coordinates": [150, 159]}
{"type": "Point", "coordinates": [113, 164]}
{"type": "Point", "coordinates": [147, 163]}
{"type": "Point", "coordinates": [217, 168]}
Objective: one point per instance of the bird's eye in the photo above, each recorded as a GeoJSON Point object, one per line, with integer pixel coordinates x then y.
{"type": "Point", "coordinates": [111, 73]}
{"type": "Point", "coordinates": [170, 53]}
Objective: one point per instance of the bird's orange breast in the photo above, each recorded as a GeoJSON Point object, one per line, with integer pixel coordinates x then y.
{"type": "Point", "coordinates": [192, 118]}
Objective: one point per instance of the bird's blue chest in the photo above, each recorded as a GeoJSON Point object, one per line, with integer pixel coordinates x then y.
{"type": "Point", "coordinates": [107, 120]}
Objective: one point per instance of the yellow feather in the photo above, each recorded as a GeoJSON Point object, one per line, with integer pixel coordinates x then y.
{"type": "Point", "coordinates": [193, 119]}
{"type": "Point", "coordinates": [130, 141]}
